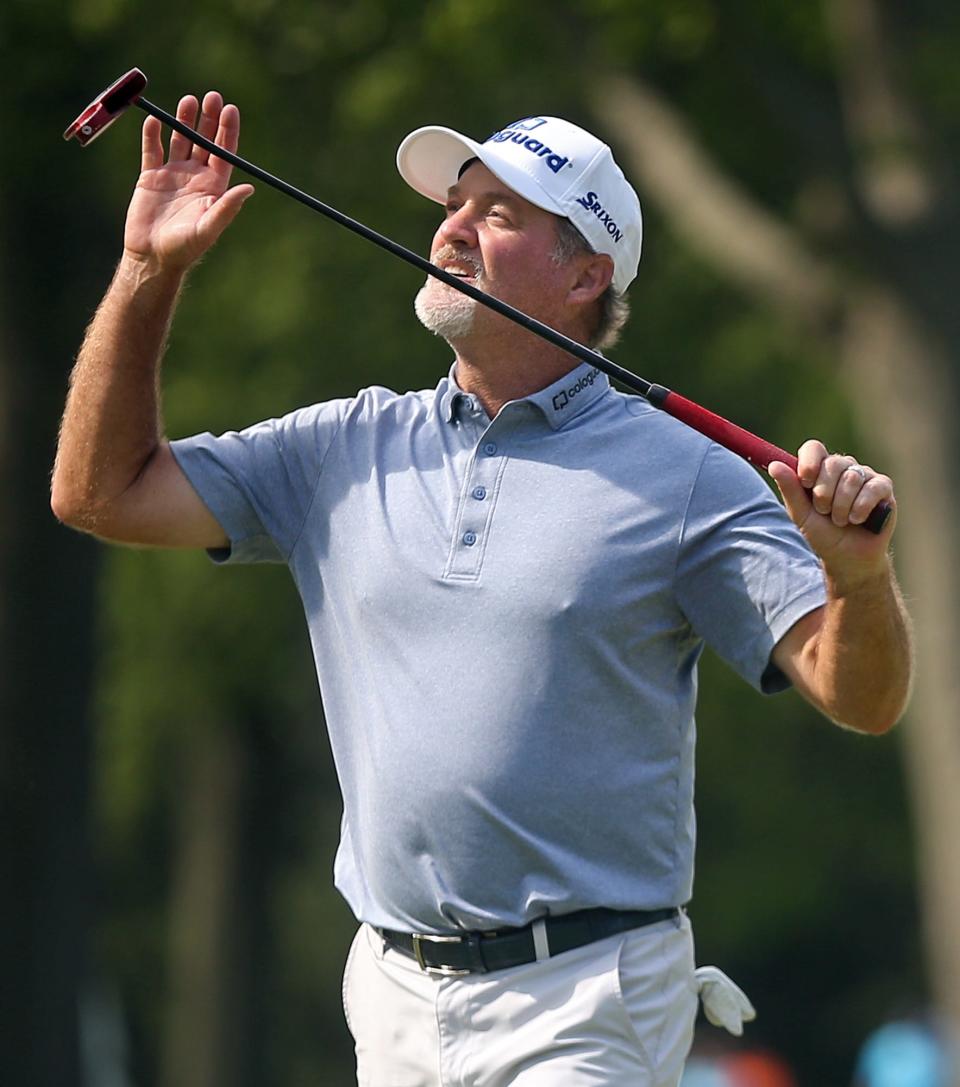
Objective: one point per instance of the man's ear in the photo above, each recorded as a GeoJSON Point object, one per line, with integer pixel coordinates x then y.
{"type": "Point", "coordinates": [594, 273]}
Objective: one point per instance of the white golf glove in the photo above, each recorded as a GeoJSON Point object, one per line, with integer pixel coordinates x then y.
{"type": "Point", "coordinates": [725, 1004]}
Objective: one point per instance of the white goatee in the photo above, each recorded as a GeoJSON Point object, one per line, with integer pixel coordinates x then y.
{"type": "Point", "coordinates": [442, 309]}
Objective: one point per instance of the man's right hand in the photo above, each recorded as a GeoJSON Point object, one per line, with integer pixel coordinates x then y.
{"type": "Point", "coordinates": [180, 207]}
{"type": "Point", "coordinates": [115, 475]}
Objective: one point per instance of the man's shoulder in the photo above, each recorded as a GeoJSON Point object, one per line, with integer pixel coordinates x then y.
{"type": "Point", "coordinates": [412, 400]}
{"type": "Point", "coordinates": [644, 429]}
{"type": "Point", "coordinates": [648, 424]}
{"type": "Point", "coordinates": [374, 404]}
{"type": "Point", "coordinates": [673, 458]}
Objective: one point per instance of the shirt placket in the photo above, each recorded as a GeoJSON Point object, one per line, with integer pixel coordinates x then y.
{"type": "Point", "coordinates": [479, 495]}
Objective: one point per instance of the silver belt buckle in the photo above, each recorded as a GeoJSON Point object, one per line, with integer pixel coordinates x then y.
{"type": "Point", "coordinates": [440, 971]}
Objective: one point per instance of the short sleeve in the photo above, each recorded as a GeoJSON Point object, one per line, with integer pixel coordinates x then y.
{"type": "Point", "coordinates": [745, 574]}
{"type": "Point", "coordinates": [259, 482]}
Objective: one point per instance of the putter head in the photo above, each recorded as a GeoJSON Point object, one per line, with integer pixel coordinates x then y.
{"type": "Point", "coordinates": [106, 107]}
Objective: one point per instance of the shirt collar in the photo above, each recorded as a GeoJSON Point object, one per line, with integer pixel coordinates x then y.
{"type": "Point", "coordinates": [573, 393]}
{"type": "Point", "coordinates": [560, 402]}
{"type": "Point", "coordinates": [450, 395]}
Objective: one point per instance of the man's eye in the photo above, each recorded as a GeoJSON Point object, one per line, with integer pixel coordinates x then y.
{"type": "Point", "coordinates": [452, 209]}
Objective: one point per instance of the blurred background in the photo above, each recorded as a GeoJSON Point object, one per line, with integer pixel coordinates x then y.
{"type": "Point", "coordinates": [169, 810]}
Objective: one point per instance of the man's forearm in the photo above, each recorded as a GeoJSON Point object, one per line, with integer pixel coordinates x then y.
{"type": "Point", "coordinates": [864, 653]}
{"type": "Point", "coordinates": [112, 425]}
{"type": "Point", "coordinates": [852, 658]}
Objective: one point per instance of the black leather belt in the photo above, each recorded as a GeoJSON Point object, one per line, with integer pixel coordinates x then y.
{"type": "Point", "coordinates": [481, 952]}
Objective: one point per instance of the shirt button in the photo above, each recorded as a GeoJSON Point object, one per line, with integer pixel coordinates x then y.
{"type": "Point", "coordinates": [469, 538]}
{"type": "Point", "coordinates": [490, 448]}
{"type": "Point", "coordinates": [479, 493]}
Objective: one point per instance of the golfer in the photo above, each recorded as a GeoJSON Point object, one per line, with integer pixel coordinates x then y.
{"type": "Point", "coordinates": [508, 581]}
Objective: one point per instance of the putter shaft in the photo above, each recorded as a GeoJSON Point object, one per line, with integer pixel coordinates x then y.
{"type": "Point", "coordinates": [738, 440]}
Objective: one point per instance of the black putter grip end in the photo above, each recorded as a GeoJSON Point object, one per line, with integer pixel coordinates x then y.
{"type": "Point", "coordinates": [878, 518]}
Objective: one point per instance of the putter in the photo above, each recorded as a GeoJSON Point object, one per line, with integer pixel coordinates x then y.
{"type": "Point", "coordinates": [126, 92]}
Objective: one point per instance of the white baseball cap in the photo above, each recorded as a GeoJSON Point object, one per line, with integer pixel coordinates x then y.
{"type": "Point", "coordinates": [548, 161]}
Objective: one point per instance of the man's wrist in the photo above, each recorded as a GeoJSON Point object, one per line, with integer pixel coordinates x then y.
{"type": "Point", "coordinates": [858, 579]}
{"type": "Point", "coordinates": [138, 271]}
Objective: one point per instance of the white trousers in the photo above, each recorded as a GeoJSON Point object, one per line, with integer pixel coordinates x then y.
{"type": "Point", "coordinates": [618, 1013]}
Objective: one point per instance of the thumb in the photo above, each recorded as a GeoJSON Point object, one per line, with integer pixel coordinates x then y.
{"type": "Point", "coordinates": [222, 212]}
{"type": "Point", "coordinates": [795, 497]}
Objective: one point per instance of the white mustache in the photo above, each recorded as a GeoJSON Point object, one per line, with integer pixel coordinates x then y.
{"type": "Point", "coordinates": [453, 255]}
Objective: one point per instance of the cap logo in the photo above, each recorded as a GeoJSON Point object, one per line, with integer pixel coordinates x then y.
{"type": "Point", "coordinates": [528, 124]}
{"type": "Point", "coordinates": [518, 133]}
{"type": "Point", "coordinates": [592, 203]}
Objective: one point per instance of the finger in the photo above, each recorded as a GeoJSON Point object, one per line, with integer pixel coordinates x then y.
{"type": "Point", "coordinates": [228, 137]}
{"type": "Point", "coordinates": [207, 126]}
{"type": "Point", "coordinates": [151, 156]}
{"type": "Point", "coordinates": [850, 484]}
{"type": "Point", "coordinates": [795, 497]}
{"type": "Point", "coordinates": [825, 487]}
{"type": "Point", "coordinates": [187, 113]}
{"type": "Point", "coordinates": [809, 458]}
{"type": "Point", "coordinates": [876, 489]}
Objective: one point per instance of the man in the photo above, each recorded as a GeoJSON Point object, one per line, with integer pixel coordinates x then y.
{"type": "Point", "coordinates": [508, 582]}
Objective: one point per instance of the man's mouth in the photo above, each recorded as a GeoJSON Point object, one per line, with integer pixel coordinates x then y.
{"type": "Point", "coordinates": [459, 266]}
{"type": "Point", "coordinates": [460, 271]}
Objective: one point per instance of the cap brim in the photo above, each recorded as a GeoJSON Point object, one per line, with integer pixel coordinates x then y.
{"type": "Point", "coordinates": [430, 160]}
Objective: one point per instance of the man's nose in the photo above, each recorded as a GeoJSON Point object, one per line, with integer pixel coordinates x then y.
{"type": "Point", "coordinates": [460, 226]}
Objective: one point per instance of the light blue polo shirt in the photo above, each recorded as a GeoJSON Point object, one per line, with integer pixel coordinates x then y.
{"type": "Point", "coordinates": [506, 619]}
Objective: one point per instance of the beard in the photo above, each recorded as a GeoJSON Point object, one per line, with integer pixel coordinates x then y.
{"type": "Point", "coordinates": [442, 309]}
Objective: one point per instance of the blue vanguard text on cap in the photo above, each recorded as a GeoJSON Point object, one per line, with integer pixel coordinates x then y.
{"type": "Point", "coordinates": [548, 161]}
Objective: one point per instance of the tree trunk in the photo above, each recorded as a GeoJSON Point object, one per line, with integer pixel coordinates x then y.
{"type": "Point", "coordinates": [902, 391]}
{"type": "Point", "coordinates": [904, 396]}
{"type": "Point", "coordinates": [201, 1047]}
{"type": "Point", "coordinates": [47, 579]}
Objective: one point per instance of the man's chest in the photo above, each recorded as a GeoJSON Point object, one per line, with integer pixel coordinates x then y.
{"type": "Point", "coordinates": [530, 531]}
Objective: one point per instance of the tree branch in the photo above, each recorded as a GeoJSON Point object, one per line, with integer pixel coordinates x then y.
{"type": "Point", "coordinates": [895, 182]}
{"type": "Point", "coordinates": [707, 207]}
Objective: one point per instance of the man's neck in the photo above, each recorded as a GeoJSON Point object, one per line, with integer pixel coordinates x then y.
{"type": "Point", "coordinates": [496, 373]}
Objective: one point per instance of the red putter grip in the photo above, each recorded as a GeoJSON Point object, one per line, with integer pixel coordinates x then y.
{"type": "Point", "coordinates": [753, 449]}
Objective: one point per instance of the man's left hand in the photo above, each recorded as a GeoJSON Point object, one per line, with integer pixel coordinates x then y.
{"type": "Point", "coordinates": [829, 498]}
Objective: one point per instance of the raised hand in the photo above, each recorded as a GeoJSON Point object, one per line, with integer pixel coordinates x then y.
{"type": "Point", "coordinates": [181, 207]}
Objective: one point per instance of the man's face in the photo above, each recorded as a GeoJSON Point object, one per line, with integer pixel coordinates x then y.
{"type": "Point", "coordinates": [498, 242]}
